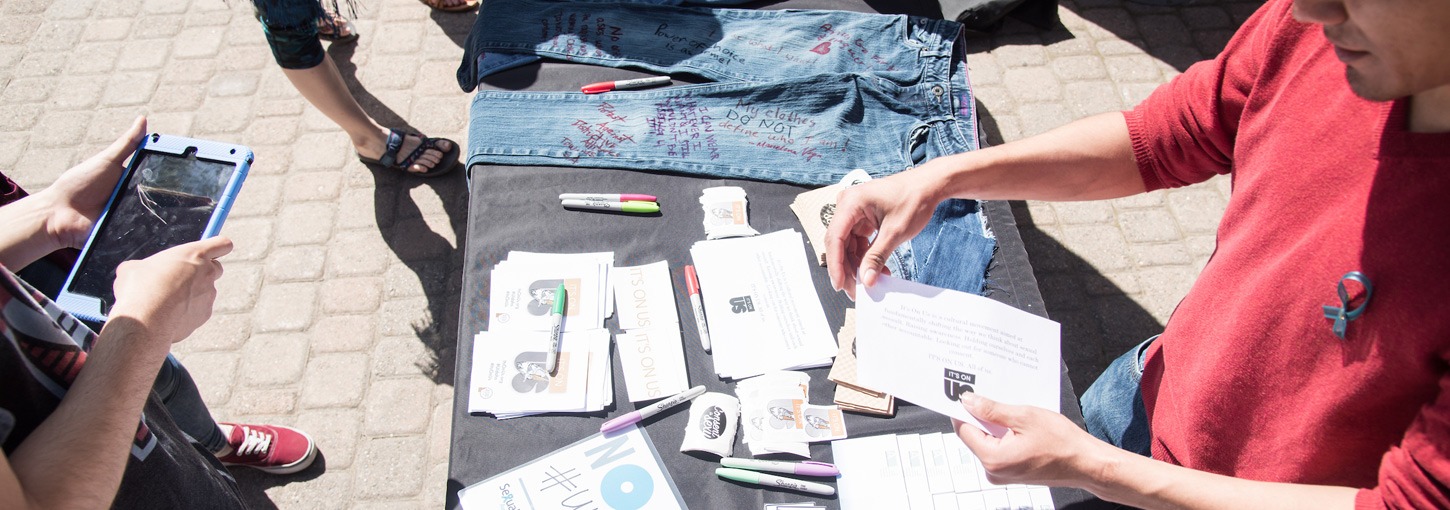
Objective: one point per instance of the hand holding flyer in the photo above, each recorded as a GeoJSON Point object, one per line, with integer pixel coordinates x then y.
{"type": "Point", "coordinates": [929, 345]}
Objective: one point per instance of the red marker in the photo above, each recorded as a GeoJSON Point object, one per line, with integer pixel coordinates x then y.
{"type": "Point", "coordinates": [606, 86]}
{"type": "Point", "coordinates": [692, 284]}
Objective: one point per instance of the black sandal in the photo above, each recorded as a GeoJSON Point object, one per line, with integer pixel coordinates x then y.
{"type": "Point", "coordinates": [395, 143]}
{"type": "Point", "coordinates": [336, 26]}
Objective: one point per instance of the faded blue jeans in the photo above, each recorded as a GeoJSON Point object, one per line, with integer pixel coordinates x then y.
{"type": "Point", "coordinates": [797, 96]}
{"type": "Point", "coordinates": [1112, 408]}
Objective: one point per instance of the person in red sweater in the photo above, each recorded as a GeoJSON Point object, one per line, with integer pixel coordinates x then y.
{"type": "Point", "coordinates": [1309, 365]}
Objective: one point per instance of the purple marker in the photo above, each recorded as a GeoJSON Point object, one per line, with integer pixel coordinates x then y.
{"type": "Point", "coordinates": [634, 417]}
{"type": "Point", "coordinates": [807, 468]}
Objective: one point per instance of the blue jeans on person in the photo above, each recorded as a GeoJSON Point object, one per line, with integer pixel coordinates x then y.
{"type": "Point", "coordinates": [1112, 408]}
{"type": "Point", "coordinates": [797, 96]}
{"type": "Point", "coordinates": [178, 392]}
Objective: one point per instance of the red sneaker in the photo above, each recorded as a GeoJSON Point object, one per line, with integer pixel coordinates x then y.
{"type": "Point", "coordinates": [271, 448]}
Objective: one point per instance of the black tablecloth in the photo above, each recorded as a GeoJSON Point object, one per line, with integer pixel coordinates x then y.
{"type": "Point", "coordinates": [516, 208]}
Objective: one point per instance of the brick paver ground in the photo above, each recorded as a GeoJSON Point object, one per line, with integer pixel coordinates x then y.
{"type": "Point", "coordinates": [338, 309]}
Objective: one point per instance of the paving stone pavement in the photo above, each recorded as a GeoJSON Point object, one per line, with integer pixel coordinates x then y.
{"type": "Point", "coordinates": [338, 309]}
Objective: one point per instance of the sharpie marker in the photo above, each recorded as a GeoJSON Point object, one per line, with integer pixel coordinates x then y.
{"type": "Point", "coordinates": [629, 207]}
{"type": "Point", "coordinates": [741, 475]}
{"type": "Point", "coordinates": [807, 468]}
{"type": "Point", "coordinates": [692, 283]}
{"type": "Point", "coordinates": [608, 197]}
{"type": "Point", "coordinates": [606, 86]}
{"type": "Point", "coordinates": [635, 416]}
{"type": "Point", "coordinates": [556, 331]}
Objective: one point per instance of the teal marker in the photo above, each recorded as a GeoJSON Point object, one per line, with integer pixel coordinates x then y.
{"type": "Point", "coordinates": [629, 207]}
{"type": "Point", "coordinates": [556, 332]}
{"type": "Point", "coordinates": [741, 475]}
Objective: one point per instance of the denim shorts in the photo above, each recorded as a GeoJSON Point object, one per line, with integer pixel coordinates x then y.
{"type": "Point", "coordinates": [796, 96]}
{"type": "Point", "coordinates": [291, 30]}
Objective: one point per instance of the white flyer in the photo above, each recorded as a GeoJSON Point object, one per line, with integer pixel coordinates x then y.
{"type": "Point", "coordinates": [645, 296]}
{"type": "Point", "coordinates": [764, 312]}
{"type": "Point", "coordinates": [653, 362]}
{"type": "Point", "coordinates": [929, 345]}
{"type": "Point", "coordinates": [620, 470]}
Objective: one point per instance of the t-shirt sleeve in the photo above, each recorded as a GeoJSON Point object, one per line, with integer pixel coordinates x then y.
{"type": "Point", "coordinates": [1184, 132]}
{"type": "Point", "coordinates": [1416, 473]}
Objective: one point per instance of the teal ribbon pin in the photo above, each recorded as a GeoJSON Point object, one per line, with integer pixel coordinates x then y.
{"type": "Point", "coordinates": [1342, 314]}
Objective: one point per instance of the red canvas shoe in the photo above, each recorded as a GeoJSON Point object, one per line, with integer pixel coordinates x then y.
{"type": "Point", "coordinates": [271, 448]}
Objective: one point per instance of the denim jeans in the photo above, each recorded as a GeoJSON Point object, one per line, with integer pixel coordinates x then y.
{"type": "Point", "coordinates": [178, 392]}
{"type": "Point", "coordinates": [797, 96]}
{"type": "Point", "coordinates": [1112, 408]}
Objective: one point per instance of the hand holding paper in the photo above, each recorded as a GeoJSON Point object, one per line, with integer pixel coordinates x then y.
{"type": "Point", "coordinates": [930, 346]}
{"type": "Point", "coordinates": [1042, 448]}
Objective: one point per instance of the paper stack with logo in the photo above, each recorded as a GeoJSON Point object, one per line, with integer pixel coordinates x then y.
{"type": "Point", "coordinates": [763, 309]}
{"type": "Point", "coordinates": [816, 207]}
{"type": "Point", "coordinates": [509, 376]}
{"type": "Point", "coordinates": [778, 418]}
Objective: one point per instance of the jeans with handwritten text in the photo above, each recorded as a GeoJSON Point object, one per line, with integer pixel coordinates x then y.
{"type": "Point", "coordinates": [795, 96]}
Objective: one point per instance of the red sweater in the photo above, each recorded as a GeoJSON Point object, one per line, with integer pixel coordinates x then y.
{"type": "Point", "coordinates": [1248, 379]}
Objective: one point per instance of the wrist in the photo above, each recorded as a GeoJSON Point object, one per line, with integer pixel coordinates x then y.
{"type": "Point", "coordinates": [123, 323]}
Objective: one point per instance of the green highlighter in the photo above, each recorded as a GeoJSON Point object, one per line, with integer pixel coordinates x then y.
{"type": "Point", "coordinates": [632, 206]}
{"type": "Point", "coordinates": [556, 331]}
{"type": "Point", "coordinates": [741, 475]}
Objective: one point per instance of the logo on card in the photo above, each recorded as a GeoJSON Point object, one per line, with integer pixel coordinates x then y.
{"type": "Point", "coordinates": [712, 422]}
{"type": "Point", "coordinates": [742, 304]}
{"type": "Point", "coordinates": [828, 211]}
{"type": "Point", "coordinates": [956, 383]}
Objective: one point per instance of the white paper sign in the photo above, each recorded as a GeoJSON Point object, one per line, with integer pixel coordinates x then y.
{"type": "Point", "coordinates": [618, 470]}
{"type": "Point", "coordinates": [645, 297]}
{"type": "Point", "coordinates": [929, 345]}
{"type": "Point", "coordinates": [653, 361]}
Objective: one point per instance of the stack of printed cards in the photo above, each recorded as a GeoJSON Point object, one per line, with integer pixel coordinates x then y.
{"type": "Point", "coordinates": [521, 290]}
{"type": "Point", "coordinates": [509, 376]}
{"type": "Point", "coordinates": [850, 395]}
{"type": "Point", "coordinates": [509, 379]}
{"type": "Point", "coordinates": [650, 351]}
{"type": "Point", "coordinates": [777, 416]}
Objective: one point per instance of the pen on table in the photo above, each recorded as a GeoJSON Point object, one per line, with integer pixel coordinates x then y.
{"type": "Point", "coordinates": [692, 283]}
{"type": "Point", "coordinates": [636, 416]}
{"type": "Point", "coordinates": [606, 86]}
{"type": "Point", "coordinates": [556, 330]}
{"type": "Point", "coordinates": [741, 475]}
{"type": "Point", "coordinates": [807, 468]}
{"type": "Point", "coordinates": [608, 197]}
{"type": "Point", "coordinates": [629, 207]}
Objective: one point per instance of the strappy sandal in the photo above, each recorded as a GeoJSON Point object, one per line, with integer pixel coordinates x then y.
{"type": "Point", "coordinates": [336, 25]}
{"type": "Point", "coordinates": [395, 143]}
{"type": "Point", "coordinates": [463, 7]}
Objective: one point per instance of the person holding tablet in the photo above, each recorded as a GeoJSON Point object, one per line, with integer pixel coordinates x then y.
{"type": "Point", "coordinates": [79, 422]}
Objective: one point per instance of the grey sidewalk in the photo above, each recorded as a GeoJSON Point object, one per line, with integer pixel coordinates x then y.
{"type": "Point", "coordinates": [338, 309]}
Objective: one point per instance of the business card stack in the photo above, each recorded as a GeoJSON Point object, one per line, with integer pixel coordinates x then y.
{"type": "Point", "coordinates": [816, 207]}
{"type": "Point", "coordinates": [778, 418]}
{"type": "Point", "coordinates": [509, 376]}
{"type": "Point", "coordinates": [521, 290]}
{"type": "Point", "coordinates": [509, 379]}
{"type": "Point", "coordinates": [851, 395]}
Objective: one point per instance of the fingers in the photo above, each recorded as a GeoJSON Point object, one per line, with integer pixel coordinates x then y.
{"type": "Point", "coordinates": [873, 262]}
{"type": "Point", "coordinates": [126, 143]}
{"type": "Point", "coordinates": [991, 411]}
{"type": "Point", "coordinates": [214, 248]}
{"type": "Point", "coordinates": [973, 437]}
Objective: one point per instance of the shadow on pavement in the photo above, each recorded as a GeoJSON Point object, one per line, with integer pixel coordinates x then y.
{"type": "Point", "coordinates": [253, 484]}
{"type": "Point", "coordinates": [430, 256]}
{"type": "Point", "coordinates": [1099, 321]}
{"type": "Point", "coordinates": [1178, 36]}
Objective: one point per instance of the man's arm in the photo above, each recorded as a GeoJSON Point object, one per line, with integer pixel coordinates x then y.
{"type": "Point", "coordinates": [1043, 447]}
{"type": "Point", "coordinates": [159, 300]}
{"type": "Point", "coordinates": [1088, 159]}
